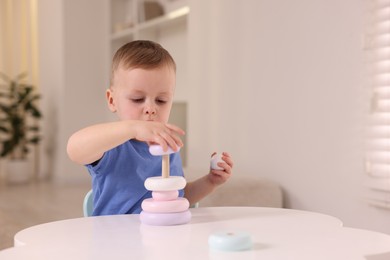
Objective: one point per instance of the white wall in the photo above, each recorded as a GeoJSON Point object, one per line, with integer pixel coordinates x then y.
{"type": "Point", "coordinates": [74, 74]}
{"type": "Point", "coordinates": [51, 78]}
{"type": "Point", "coordinates": [280, 85]}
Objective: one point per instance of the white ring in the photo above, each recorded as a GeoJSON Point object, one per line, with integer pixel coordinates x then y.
{"type": "Point", "coordinates": [165, 184]}
{"type": "Point", "coordinates": [156, 150]}
{"type": "Point", "coordinates": [215, 159]}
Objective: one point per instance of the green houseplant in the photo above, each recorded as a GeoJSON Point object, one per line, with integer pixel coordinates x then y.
{"type": "Point", "coordinates": [19, 115]}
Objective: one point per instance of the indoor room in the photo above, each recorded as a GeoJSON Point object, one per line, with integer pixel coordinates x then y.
{"type": "Point", "coordinates": [296, 92]}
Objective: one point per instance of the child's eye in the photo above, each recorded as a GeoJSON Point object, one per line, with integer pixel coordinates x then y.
{"type": "Point", "coordinates": [160, 101]}
{"type": "Point", "coordinates": [137, 100]}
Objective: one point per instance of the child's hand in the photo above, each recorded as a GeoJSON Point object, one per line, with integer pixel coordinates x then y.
{"type": "Point", "coordinates": [159, 133]}
{"type": "Point", "coordinates": [218, 177]}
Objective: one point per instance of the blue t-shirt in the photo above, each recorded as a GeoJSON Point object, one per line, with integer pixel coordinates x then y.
{"type": "Point", "coordinates": [118, 177]}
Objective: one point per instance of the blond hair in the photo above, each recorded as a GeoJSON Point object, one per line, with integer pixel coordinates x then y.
{"type": "Point", "coordinates": [141, 54]}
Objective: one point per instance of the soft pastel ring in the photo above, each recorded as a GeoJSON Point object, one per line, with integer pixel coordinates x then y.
{"type": "Point", "coordinates": [230, 241]}
{"type": "Point", "coordinates": [157, 150]}
{"type": "Point", "coordinates": [165, 195]}
{"type": "Point", "coordinates": [168, 206]}
{"type": "Point", "coordinates": [165, 219]}
{"type": "Point", "coordinates": [165, 184]}
{"type": "Point", "coordinates": [215, 159]}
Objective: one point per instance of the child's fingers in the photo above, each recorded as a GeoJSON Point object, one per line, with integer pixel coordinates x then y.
{"type": "Point", "coordinates": [226, 167]}
{"type": "Point", "coordinates": [228, 160]}
{"type": "Point", "coordinates": [221, 174]}
{"type": "Point", "coordinates": [161, 141]}
{"type": "Point", "coordinates": [218, 172]}
{"type": "Point", "coordinates": [176, 138]}
{"type": "Point", "coordinates": [165, 135]}
{"type": "Point", "coordinates": [171, 141]}
{"type": "Point", "coordinates": [226, 154]}
{"type": "Point", "coordinates": [226, 157]}
{"type": "Point", "coordinates": [176, 129]}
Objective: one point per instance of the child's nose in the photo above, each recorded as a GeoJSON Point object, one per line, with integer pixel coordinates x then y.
{"type": "Point", "coordinates": [150, 109]}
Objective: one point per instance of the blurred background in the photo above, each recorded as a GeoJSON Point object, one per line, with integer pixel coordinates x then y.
{"type": "Point", "coordinates": [281, 85]}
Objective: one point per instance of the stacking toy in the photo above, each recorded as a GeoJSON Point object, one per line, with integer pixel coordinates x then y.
{"type": "Point", "coordinates": [215, 159]}
{"type": "Point", "coordinates": [230, 241]}
{"type": "Point", "coordinates": [165, 208]}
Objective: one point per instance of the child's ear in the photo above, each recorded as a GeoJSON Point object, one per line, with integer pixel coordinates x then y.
{"type": "Point", "coordinates": [110, 100]}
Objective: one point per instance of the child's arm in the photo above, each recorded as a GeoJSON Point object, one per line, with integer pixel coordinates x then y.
{"type": "Point", "coordinates": [89, 144]}
{"type": "Point", "coordinates": [200, 188]}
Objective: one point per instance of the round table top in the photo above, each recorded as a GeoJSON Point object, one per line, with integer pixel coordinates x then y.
{"type": "Point", "coordinates": [276, 234]}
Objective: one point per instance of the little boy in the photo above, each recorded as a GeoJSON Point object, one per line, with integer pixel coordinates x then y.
{"type": "Point", "coordinates": [116, 154]}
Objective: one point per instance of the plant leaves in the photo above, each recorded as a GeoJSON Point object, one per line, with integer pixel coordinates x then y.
{"type": "Point", "coordinates": [4, 77]}
{"type": "Point", "coordinates": [21, 76]}
{"type": "Point", "coordinates": [16, 109]}
{"type": "Point", "coordinates": [4, 129]}
{"type": "Point", "coordinates": [35, 140]}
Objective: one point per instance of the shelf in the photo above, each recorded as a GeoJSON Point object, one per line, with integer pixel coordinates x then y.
{"type": "Point", "coordinates": [122, 34]}
{"type": "Point", "coordinates": [165, 19]}
{"type": "Point", "coordinates": [153, 24]}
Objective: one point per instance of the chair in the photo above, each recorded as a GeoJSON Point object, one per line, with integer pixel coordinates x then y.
{"type": "Point", "coordinates": [88, 204]}
{"type": "Point", "coordinates": [194, 206]}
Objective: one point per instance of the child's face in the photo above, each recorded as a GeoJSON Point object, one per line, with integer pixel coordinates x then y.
{"type": "Point", "coordinates": [142, 94]}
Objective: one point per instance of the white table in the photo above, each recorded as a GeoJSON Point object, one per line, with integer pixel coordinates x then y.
{"type": "Point", "coordinates": [276, 233]}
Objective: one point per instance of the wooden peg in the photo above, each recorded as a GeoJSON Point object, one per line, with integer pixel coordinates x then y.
{"type": "Point", "coordinates": [165, 166]}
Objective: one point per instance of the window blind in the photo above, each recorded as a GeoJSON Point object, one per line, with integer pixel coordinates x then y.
{"type": "Point", "coordinates": [378, 60]}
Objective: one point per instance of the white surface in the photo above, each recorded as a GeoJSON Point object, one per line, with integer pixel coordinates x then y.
{"type": "Point", "coordinates": [276, 234]}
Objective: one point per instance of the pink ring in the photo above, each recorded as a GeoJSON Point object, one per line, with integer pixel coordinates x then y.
{"type": "Point", "coordinates": [165, 219]}
{"type": "Point", "coordinates": [168, 206]}
{"type": "Point", "coordinates": [165, 195]}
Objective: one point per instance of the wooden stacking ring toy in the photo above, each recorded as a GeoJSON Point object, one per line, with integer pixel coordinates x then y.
{"type": "Point", "coordinates": [165, 184]}
{"type": "Point", "coordinates": [168, 206]}
{"type": "Point", "coordinates": [230, 241]}
{"type": "Point", "coordinates": [165, 219]}
{"type": "Point", "coordinates": [165, 208]}
{"type": "Point", "coordinates": [215, 159]}
{"type": "Point", "coordinates": [165, 195]}
{"type": "Point", "coordinates": [157, 150]}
